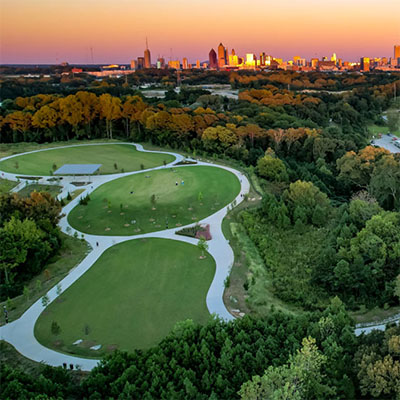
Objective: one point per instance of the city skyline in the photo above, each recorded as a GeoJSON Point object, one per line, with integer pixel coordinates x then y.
{"type": "Point", "coordinates": [77, 32]}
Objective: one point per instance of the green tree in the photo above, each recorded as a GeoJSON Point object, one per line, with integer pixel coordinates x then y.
{"type": "Point", "coordinates": [55, 328]}
{"type": "Point", "coordinates": [202, 245]}
{"type": "Point", "coordinates": [393, 120]}
{"type": "Point", "coordinates": [385, 182]}
{"type": "Point", "coordinates": [153, 201]}
{"type": "Point", "coordinates": [16, 238]}
{"type": "Point", "coordinates": [302, 199]}
{"type": "Point", "coordinates": [272, 168]}
{"type": "Point", "coordinates": [301, 379]}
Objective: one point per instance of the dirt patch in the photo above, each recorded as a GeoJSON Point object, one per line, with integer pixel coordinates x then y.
{"type": "Point", "coordinates": [126, 225]}
{"type": "Point", "coordinates": [112, 347]}
{"type": "Point", "coordinates": [58, 343]}
{"type": "Point", "coordinates": [107, 229]}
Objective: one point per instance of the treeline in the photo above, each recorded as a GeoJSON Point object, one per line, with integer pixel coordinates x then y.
{"type": "Point", "coordinates": [315, 356]}
{"type": "Point", "coordinates": [67, 84]}
{"type": "Point", "coordinates": [309, 80]}
{"type": "Point", "coordinates": [29, 236]}
{"type": "Point", "coordinates": [86, 115]}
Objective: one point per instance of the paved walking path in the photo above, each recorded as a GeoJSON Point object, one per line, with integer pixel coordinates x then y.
{"type": "Point", "coordinates": [20, 333]}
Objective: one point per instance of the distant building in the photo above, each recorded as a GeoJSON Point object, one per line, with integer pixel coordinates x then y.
{"type": "Point", "coordinates": [198, 64]}
{"type": "Point", "coordinates": [212, 57]}
{"type": "Point", "coordinates": [147, 57]}
{"type": "Point", "coordinates": [221, 56]}
{"type": "Point", "coordinates": [140, 62]}
{"type": "Point", "coordinates": [76, 70]}
{"type": "Point", "coordinates": [298, 61]}
{"type": "Point", "coordinates": [174, 64]}
{"type": "Point", "coordinates": [233, 59]}
{"type": "Point", "coordinates": [314, 62]}
{"type": "Point", "coordinates": [251, 60]}
{"type": "Point", "coordinates": [161, 62]}
{"type": "Point", "coordinates": [185, 63]}
{"type": "Point", "coordinates": [133, 64]}
{"type": "Point", "coordinates": [397, 51]}
{"type": "Point", "coordinates": [364, 64]}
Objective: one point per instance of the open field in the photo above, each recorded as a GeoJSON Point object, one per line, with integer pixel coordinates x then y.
{"type": "Point", "coordinates": [113, 158]}
{"type": "Point", "coordinates": [54, 190]}
{"type": "Point", "coordinates": [6, 185]}
{"type": "Point", "coordinates": [131, 298]}
{"type": "Point", "coordinates": [10, 149]}
{"type": "Point", "coordinates": [115, 206]}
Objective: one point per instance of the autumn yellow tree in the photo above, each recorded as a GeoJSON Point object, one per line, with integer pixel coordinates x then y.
{"type": "Point", "coordinates": [71, 111]}
{"type": "Point", "coordinates": [132, 110]}
{"type": "Point", "coordinates": [110, 110]}
{"type": "Point", "coordinates": [19, 122]}
{"type": "Point", "coordinates": [90, 107]}
{"type": "Point", "coordinates": [45, 118]}
{"type": "Point", "coordinates": [182, 124]}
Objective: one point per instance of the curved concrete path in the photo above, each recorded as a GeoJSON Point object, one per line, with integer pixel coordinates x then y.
{"type": "Point", "coordinates": [20, 333]}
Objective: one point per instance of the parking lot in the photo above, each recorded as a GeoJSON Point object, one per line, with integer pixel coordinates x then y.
{"type": "Point", "coordinates": [387, 142]}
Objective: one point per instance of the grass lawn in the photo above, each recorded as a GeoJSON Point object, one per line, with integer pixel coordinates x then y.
{"type": "Point", "coordinates": [74, 195]}
{"type": "Point", "coordinates": [125, 156]}
{"type": "Point", "coordinates": [113, 209]}
{"type": "Point", "coordinates": [375, 130]}
{"type": "Point", "coordinates": [6, 185]}
{"type": "Point", "coordinates": [131, 298]}
{"type": "Point", "coordinates": [54, 190]}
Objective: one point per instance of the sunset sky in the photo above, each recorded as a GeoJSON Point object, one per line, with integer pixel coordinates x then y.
{"type": "Point", "coordinates": [52, 31]}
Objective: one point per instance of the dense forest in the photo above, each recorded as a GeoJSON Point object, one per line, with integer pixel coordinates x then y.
{"type": "Point", "coordinates": [316, 356]}
{"type": "Point", "coordinates": [29, 237]}
{"type": "Point", "coordinates": [327, 231]}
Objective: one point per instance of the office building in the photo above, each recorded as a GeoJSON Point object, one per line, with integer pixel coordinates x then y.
{"type": "Point", "coordinates": [364, 64]}
{"type": "Point", "coordinates": [221, 56]}
{"type": "Point", "coordinates": [174, 64]}
{"type": "Point", "coordinates": [147, 57]}
{"type": "Point", "coordinates": [397, 51]}
{"type": "Point", "coordinates": [212, 59]}
{"type": "Point", "coordinates": [140, 63]}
